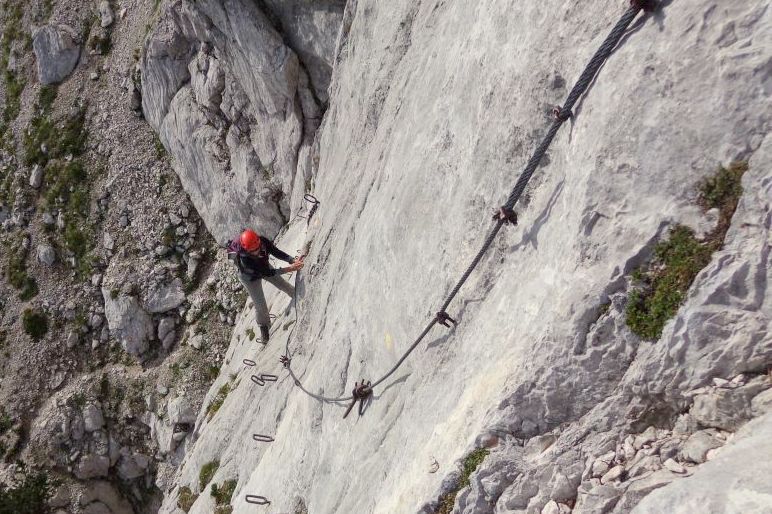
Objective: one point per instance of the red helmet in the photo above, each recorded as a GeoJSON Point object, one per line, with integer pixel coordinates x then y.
{"type": "Point", "coordinates": [249, 240]}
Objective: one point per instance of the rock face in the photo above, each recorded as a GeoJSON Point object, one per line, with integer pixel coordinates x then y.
{"type": "Point", "coordinates": [56, 52]}
{"type": "Point", "coordinates": [434, 109]}
{"type": "Point", "coordinates": [128, 322]}
{"type": "Point", "coordinates": [239, 114]}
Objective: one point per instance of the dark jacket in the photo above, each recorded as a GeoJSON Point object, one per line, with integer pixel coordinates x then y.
{"type": "Point", "coordinates": [256, 267]}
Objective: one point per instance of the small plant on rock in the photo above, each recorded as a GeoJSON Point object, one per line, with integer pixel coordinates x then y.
{"type": "Point", "coordinates": [661, 286]}
{"type": "Point", "coordinates": [218, 400]}
{"type": "Point", "coordinates": [469, 466]}
{"type": "Point", "coordinates": [222, 496]}
{"type": "Point", "coordinates": [207, 472]}
{"type": "Point", "coordinates": [186, 498]}
{"type": "Point", "coordinates": [35, 323]}
{"type": "Point", "coordinates": [28, 496]}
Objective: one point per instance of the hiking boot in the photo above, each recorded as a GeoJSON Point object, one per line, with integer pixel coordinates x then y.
{"type": "Point", "coordinates": [265, 334]}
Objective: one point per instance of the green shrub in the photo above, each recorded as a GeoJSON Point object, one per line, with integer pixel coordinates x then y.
{"type": "Point", "coordinates": [100, 43]}
{"type": "Point", "coordinates": [207, 472]}
{"type": "Point", "coordinates": [661, 286]}
{"type": "Point", "coordinates": [46, 97]}
{"type": "Point", "coordinates": [67, 139]}
{"type": "Point", "coordinates": [222, 494]}
{"type": "Point", "coordinates": [676, 263]}
{"type": "Point", "coordinates": [218, 400]}
{"type": "Point", "coordinates": [5, 421]}
{"type": "Point", "coordinates": [186, 499]}
{"type": "Point", "coordinates": [14, 86]}
{"type": "Point", "coordinates": [35, 323]}
{"type": "Point", "coordinates": [16, 272]}
{"type": "Point", "coordinates": [30, 496]}
{"type": "Point", "coordinates": [469, 465]}
{"type": "Point", "coordinates": [12, 31]}
{"type": "Point", "coordinates": [722, 191]}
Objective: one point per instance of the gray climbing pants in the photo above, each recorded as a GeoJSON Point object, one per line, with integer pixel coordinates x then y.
{"type": "Point", "coordinates": [255, 290]}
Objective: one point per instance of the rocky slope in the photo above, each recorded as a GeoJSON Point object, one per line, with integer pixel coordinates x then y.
{"type": "Point", "coordinates": [113, 306]}
{"type": "Point", "coordinates": [433, 109]}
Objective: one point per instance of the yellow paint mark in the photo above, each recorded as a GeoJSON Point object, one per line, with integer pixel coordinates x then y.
{"type": "Point", "coordinates": [389, 342]}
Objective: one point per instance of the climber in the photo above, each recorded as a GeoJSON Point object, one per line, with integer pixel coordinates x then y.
{"type": "Point", "coordinates": [250, 253]}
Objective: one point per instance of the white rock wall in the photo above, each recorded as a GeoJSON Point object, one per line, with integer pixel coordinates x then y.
{"type": "Point", "coordinates": [434, 108]}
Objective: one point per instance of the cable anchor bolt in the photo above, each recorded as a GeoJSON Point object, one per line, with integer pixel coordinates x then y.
{"type": "Point", "coordinates": [445, 320]}
{"type": "Point", "coordinates": [285, 361]}
{"type": "Point", "coordinates": [505, 214]}
{"type": "Point", "coordinates": [561, 114]}
{"type": "Point", "coordinates": [362, 391]}
{"type": "Point", "coordinates": [646, 5]}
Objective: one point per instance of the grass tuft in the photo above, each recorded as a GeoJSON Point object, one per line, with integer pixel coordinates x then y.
{"type": "Point", "coordinates": [222, 494]}
{"type": "Point", "coordinates": [469, 466]}
{"type": "Point", "coordinates": [35, 323]}
{"type": "Point", "coordinates": [186, 499]}
{"type": "Point", "coordinates": [218, 400]}
{"type": "Point", "coordinates": [207, 472]}
{"type": "Point", "coordinates": [661, 286]}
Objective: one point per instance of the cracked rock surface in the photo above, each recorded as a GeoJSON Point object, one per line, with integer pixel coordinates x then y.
{"type": "Point", "coordinates": [434, 107]}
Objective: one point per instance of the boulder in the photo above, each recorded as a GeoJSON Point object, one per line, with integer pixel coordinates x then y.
{"type": "Point", "coordinates": [105, 14]}
{"type": "Point", "coordinates": [132, 466]}
{"type": "Point", "coordinates": [103, 492]}
{"type": "Point", "coordinates": [726, 409]}
{"type": "Point", "coordinates": [92, 417]}
{"type": "Point", "coordinates": [128, 322]}
{"type": "Point", "coordinates": [108, 241]}
{"type": "Point", "coordinates": [46, 254]}
{"type": "Point", "coordinates": [36, 176]}
{"type": "Point", "coordinates": [696, 447]}
{"type": "Point", "coordinates": [56, 52]}
{"type": "Point", "coordinates": [599, 499]}
{"type": "Point", "coordinates": [165, 297]}
{"type": "Point", "coordinates": [181, 410]}
{"type": "Point", "coordinates": [92, 466]}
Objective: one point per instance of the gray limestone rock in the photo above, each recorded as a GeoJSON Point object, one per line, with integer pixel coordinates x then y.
{"type": "Point", "coordinates": [46, 254]}
{"type": "Point", "coordinates": [422, 117]}
{"type": "Point", "coordinates": [56, 53]}
{"type": "Point", "coordinates": [166, 332]}
{"type": "Point", "coordinates": [36, 176]}
{"type": "Point", "coordinates": [762, 403]}
{"type": "Point", "coordinates": [726, 409]}
{"type": "Point", "coordinates": [92, 417]}
{"type": "Point", "coordinates": [92, 466]}
{"type": "Point", "coordinates": [725, 484]}
{"type": "Point", "coordinates": [165, 297]}
{"type": "Point", "coordinates": [181, 410]}
{"type": "Point", "coordinates": [696, 447]}
{"type": "Point", "coordinates": [234, 112]}
{"type": "Point", "coordinates": [132, 466]}
{"type": "Point", "coordinates": [108, 241]}
{"type": "Point", "coordinates": [128, 322]}
{"type": "Point", "coordinates": [599, 499]}
{"type": "Point", "coordinates": [105, 14]}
